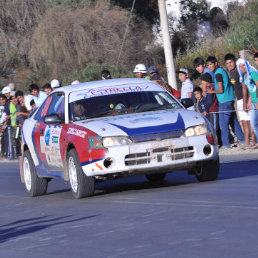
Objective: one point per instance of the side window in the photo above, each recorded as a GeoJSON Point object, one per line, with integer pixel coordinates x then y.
{"type": "Point", "coordinates": [42, 112]}
{"type": "Point", "coordinates": [57, 106]}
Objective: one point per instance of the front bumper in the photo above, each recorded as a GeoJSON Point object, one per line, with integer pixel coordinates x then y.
{"type": "Point", "coordinates": [154, 156]}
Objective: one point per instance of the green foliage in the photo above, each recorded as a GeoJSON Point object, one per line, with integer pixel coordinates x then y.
{"type": "Point", "coordinates": [243, 31]}
{"type": "Point", "coordinates": [92, 73]}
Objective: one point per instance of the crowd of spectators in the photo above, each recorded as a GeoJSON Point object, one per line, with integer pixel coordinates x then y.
{"type": "Point", "coordinates": [227, 99]}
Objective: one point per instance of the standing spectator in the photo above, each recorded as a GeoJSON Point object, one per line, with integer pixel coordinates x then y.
{"type": "Point", "coordinates": [4, 128]}
{"type": "Point", "coordinates": [154, 74]}
{"type": "Point", "coordinates": [206, 83]}
{"type": "Point", "coordinates": [24, 100]}
{"type": "Point", "coordinates": [7, 92]}
{"type": "Point", "coordinates": [256, 59]}
{"type": "Point", "coordinates": [2, 124]}
{"type": "Point", "coordinates": [201, 68]}
{"type": "Point", "coordinates": [230, 61]}
{"type": "Point", "coordinates": [187, 85]}
{"type": "Point", "coordinates": [39, 96]}
{"type": "Point", "coordinates": [141, 71]}
{"type": "Point", "coordinates": [213, 106]}
{"type": "Point", "coordinates": [55, 84]}
{"type": "Point", "coordinates": [12, 129]}
{"type": "Point", "coordinates": [47, 88]}
{"type": "Point", "coordinates": [105, 75]}
{"type": "Point", "coordinates": [225, 95]}
{"type": "Point", "coordinates": [249, 80]}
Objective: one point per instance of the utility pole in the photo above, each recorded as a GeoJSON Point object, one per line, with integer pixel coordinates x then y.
{"type": "Point", "coordinates": [167, 44]}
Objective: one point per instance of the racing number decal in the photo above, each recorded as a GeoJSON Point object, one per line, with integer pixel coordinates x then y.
{"type": "Point", "coordinates": [50, 145]}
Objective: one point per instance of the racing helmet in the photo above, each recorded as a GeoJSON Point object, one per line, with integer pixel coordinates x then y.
{"type": "Point", "coordinates": [140, 68]}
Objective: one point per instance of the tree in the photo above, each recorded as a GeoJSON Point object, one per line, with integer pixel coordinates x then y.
{"type": "Point", "coordinates": [147, 9]}
{"type": "Point", "coordinates": [192, 14]}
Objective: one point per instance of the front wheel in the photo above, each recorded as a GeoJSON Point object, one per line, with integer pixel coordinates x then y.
{"type": "Point", "coordinates": [35, 185]}
{"type": "Point", "coordinates": [81, 185]}
{"type": "Point", "coordinates": [155, 177]}
{"type": "Point", "coordinates": [208, 171]}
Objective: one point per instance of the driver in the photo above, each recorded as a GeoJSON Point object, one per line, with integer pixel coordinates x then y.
{"type": "Point", "coordinates": [79, 111]}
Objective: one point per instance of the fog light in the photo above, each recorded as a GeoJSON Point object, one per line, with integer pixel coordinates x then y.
{"type": "Point", "coordinates": [207, 150]}
{"type": "Point", "coordinates": [108, 162]}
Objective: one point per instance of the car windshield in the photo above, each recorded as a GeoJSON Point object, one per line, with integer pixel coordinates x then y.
{"type": "Point", "coordinates": [120, 104]}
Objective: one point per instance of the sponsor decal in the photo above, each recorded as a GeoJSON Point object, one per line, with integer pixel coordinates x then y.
{"type": "Point", "coordinates": [144, 119]}
{"type": "Point", "coordinates": [114, 90]}
{"type": "Point", "coordinates": [55, 139]}
{"type": "Point", "coordinates": [47, 137]}
{"type": "Point", "coordinates": [139, 115]}
{"type": "Point", "coordinates": [77, 132]}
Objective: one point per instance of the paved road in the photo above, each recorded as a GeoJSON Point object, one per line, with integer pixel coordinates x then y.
{"type": "Point", "coordinates": [133, 218]}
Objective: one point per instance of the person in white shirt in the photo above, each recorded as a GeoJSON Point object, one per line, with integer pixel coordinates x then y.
{"type": "Point", "coordinates": [38, 96]}
{"type": "Point", "coordinates": [187, 85]}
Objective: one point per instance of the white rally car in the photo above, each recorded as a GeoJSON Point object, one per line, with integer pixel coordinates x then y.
{"type": "Point", "coordinates": [107, 129]}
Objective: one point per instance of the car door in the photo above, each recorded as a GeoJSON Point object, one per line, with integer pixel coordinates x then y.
{"type": "Point", "coordinates": [47, 136]}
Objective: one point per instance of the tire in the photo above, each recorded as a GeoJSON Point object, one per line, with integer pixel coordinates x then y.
{"type": "Point", "coordinates": [34, 185]}
{"type": "Point", "coordinates": [81, 185]}
{"type": "Point", "coordinates": [208, 171]}
{"type": "Point", "coordinates": [156, 177]}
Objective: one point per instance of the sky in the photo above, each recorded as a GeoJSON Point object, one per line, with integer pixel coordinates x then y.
{"type": "Point", "coordinates": [172, 5]}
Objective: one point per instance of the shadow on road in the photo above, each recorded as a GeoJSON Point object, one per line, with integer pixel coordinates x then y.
{"type": "Point", "coordinates": [31, 225]}
{"type": "Point", "coordinates": [227, 171]}
{"type": "Point", "coordinates": [177, 178]}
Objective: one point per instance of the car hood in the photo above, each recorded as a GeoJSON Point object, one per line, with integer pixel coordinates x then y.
{"type": "Point", "coordinates": [143, 123]}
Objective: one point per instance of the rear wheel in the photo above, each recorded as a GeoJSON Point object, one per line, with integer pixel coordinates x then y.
{"type": "Point", "coordinates": [208, 171]}
{"type": "Point", "coordinates": [155, 177]}
{"type": "Point", "coordinates": [35, 185]}
{"type": "Point", "coordinates": [81, 185]}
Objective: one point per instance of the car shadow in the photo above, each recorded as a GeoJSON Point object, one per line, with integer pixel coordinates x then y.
{"type": "Point", "coordinates": [175, 179]}
{"type": "Point", "coordinates": [31, 225]}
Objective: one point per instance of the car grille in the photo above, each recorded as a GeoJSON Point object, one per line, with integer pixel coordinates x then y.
{"type": "Point", "coordinates": [158, 155]}
{"type": "Point", "coordinates": [157, 136]}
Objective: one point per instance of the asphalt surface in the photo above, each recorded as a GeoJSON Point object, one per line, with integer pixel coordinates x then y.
{"type": "Point", "coordinates": [134, 218]}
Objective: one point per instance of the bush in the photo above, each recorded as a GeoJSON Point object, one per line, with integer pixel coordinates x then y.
{"type": "Point", "coordinates": [68, 40]}
{"type": "Point", "coordinates": [243, 31]}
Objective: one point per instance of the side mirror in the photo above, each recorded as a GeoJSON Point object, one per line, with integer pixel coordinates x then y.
{"type": "Point", "coordinates": [53, 119]}
{"type": "Point", "coordinates": [187, 102]}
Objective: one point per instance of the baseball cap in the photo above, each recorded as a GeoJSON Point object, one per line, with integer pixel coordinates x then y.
{"type": "Point", "coordinates": [153, 69]}
{"type": "Point", "coordinates": [55, 83]}
{"type": "Point", "coordinates": [206, 77]}
{"type": "Point", "coordinates": [6, 90]}
{"type": "Point", "coordinates": [183, 70]}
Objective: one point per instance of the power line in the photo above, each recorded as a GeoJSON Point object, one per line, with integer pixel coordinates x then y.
{"type": "Point", "coordinates": [127, 27]}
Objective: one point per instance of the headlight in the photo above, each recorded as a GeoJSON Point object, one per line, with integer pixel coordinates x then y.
{"type": "Point", "coordinates": [196, 130]}
{"type": "Point", "coordinates": [116, 141]}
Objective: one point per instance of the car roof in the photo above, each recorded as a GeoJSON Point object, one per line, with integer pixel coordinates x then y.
{"type": "Point", "coordinates": [108, 83]}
